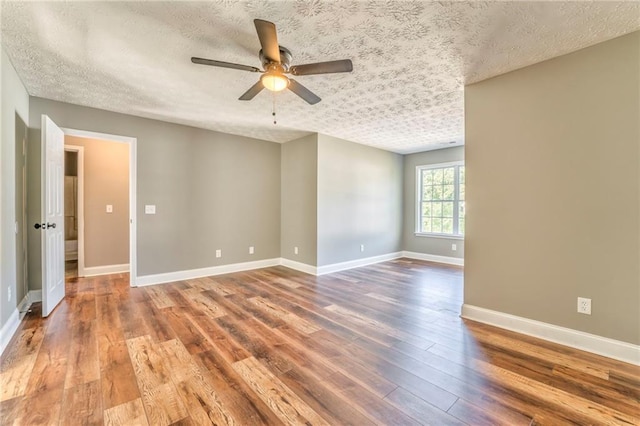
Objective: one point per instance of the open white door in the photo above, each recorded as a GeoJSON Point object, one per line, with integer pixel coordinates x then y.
{"type": "Point", "coordinates": [52, 226]}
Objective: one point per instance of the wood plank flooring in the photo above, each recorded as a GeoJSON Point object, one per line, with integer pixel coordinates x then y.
{"type": "Point", "coordinates": [383, 344]}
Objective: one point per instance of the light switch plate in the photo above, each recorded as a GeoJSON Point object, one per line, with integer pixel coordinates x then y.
{"type": "Point", "coordinates": [149, 209]}
{"type": "Point", "coordinates": [109, 208]}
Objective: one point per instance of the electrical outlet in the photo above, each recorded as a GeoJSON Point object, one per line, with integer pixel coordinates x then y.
{"type": "Point", "coordinates": [454, 247]}
{"type": "Point", "coordinates": [109, 208]}
{"type": "Point", "coordinates": [295, 250]}
{"type": "Point", "coordinates": [251, 250]}
{"type": "Point", "coordinates": [361, 247]}
{"type": "Point", "coordinates": [218, 253]}
{"type": "Point", "coordinates": [584, 306]}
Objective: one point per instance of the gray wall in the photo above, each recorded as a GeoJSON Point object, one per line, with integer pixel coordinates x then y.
{"type": "Point", "coordinates": [359, 201]}
{"type": "Point", "coordinates": [300, 199]}
{"type": "Point", "coordinates": [211, 190]}
{"type": "Point", "coordinates": [430, 245]}
{"type": "Point", "coordinates": [553, 184]}
{"type": "Point", "coordinates": [14, 100]}
{"type": "Point", "coordinates": [106, 181]}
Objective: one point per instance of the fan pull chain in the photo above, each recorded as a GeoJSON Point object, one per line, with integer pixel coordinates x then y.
{"type": "Point", "coordinates": [273, 113]}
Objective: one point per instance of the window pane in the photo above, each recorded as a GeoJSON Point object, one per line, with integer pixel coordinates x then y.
{"type": "Point", "coordinates": [437, 192]}
{"type": "Point", "coordinates": [436, 209]}
{"type": "Point", "coordinates": [427, 193]}
{"type": "Point", "coordinates": [448, 192]}
{"type": "Point", "coordinates": [437, 176]}
{"type": "Point", "coordinates": [461, 177]}
{"type": "Point", "coordinates": [426, 209]}
{"type": "Point", "coordinates": [447, 209]}
{"type": "Point", "coordinates": [436, 225]}
{"type": "Point", "coordinates": [461, 210]}
{"type": "Point", "coordinates": [461, 226]}
{"type": "Point", "coordinates": [447, 226]}
{"type": "Point", "coordinates": [426, 225]}
{"type": "Point", "coordinates": [427, 177]}
{"type": "Point", "coordinates": [461, 196]}
{"type": "Point", "coordinates": [448, 175]}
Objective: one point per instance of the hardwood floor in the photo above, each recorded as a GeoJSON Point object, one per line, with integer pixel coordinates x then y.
{"type": "Point", "coordinates": [383, 344]}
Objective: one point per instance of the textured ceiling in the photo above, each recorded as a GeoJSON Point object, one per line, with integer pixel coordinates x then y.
{"type": "Point", "coordinates": [411, 59]}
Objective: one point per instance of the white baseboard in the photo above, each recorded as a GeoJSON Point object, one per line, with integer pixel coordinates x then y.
{"type": "Point", "coordinates": [9, 329]}
{"type": "Point", "coordinates": [604, 346]}
{"type": "Point", "coordinates": [105, 270]}
{"type": "Point", "coordinates": [342, 266]}
{"type": "Point", "coordinates": [204, 272]}
{"type": "Point", "coordinates": [434, 258]}
{"type": "Point", "coordinates": [35, 296]}
{"type": "Point", "coordinates": [299, 266]}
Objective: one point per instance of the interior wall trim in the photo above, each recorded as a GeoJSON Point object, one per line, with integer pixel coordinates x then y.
{"type": "Point", "coordinates": [299, 266]}
{"type": "Point", "coordinates": [104, 270]}
{"type": "Point", "coordinates": [434, 258]}
{"type": "Point", "coordinates": [204, 272]}
{"type": "Point", "coordinates": [616, 349]}
{"type": "Point", "coordinates": [9, 329]}
{"type": "Point", "coordinates": [35, 296]}
{"type": "Point", "coordinates": [343, 266]}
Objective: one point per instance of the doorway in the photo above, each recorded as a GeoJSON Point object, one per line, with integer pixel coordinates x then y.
{"type": "Point", "coordinates": [73, 211]}
{"type": "Point", "coordinates": [99, 225]}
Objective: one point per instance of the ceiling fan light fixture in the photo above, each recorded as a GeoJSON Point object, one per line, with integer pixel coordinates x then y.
{"type": "Point", "coordinates": [274, 81]}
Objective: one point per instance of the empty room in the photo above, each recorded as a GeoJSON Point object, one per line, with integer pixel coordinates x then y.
{"type": "Point", "coordinates": [320, 212]}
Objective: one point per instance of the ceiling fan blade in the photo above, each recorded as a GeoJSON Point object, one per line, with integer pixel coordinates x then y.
{"type": "Point", "coordinates": [344, 65]}
{"type": "Point", "coordinates": [268, 39]}
{"type": "Point", "coordinates": [252, 92]}
{"type": "Point", "coordinates": [221, 64]}
{"type": "Point", "coordinates": [303, 92]}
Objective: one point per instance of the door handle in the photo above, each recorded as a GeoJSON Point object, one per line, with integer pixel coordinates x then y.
{"type": "Point", "coordinates": [44, 225]}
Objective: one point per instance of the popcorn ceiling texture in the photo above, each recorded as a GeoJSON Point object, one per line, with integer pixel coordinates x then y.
{"type": "Point", "coordinates": [411, 60]}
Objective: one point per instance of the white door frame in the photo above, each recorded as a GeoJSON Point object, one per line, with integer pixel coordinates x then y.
{"type": "Point", "coordinates": [132, 142]}
{"type": "Point", "coordinates": [80, 203]}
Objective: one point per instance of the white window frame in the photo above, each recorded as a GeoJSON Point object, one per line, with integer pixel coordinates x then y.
{"type": "Point", "coordinates": [418, 207]}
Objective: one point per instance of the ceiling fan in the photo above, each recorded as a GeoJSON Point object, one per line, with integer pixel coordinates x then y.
{"type": "Point", "coordinates": [275, 61]}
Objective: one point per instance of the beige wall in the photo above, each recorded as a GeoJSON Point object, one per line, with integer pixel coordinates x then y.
{"type": "Point", "coordinates": [419, 244]}
{"type": "Point", "coordinates": [106, 181]}
{"type": "Point", "coordinates": [553, 190]}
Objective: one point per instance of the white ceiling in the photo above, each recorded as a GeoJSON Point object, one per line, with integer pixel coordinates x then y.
{"type": "Point", "coordinates": [411, 59]}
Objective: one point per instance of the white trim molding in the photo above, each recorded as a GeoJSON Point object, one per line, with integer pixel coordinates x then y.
{"type": "Point", "coordinates": [604, 346]}
{"type": "Point", "coordinates": [434, 258]}
{"type": "Point", "coordinates": [299, 266]}
{"type": "Point", "coordinates": [9, 329]}
{"type": "Point", "coordinates": [105, 270]}
{"type": "Point", "coordinates": [342, 266]}
{"type": "Point", "coordinates": [35, 296]}
{"type": "Point", "coordinates": [168, 277]}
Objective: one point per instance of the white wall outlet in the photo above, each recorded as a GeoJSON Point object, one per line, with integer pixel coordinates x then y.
{"type": "Point", "coordinates": [149, 209]}
{"type": "Point", "coordinates": [218, 253]}
{"type": "Point", "coordinates": [9, 294]}
{"type": "Point", "coordinates": [454, 247]}
{"type": "Point", "coordinates": [109, 208]}
{"type": "Point", "coordinates": [251, 250]}
{"type": "Point", "coordinates": [361, 247]}
{"type": "Point", "coordinates": [584, 306]}
{"type": "Point", "coordinates": [295, 250]}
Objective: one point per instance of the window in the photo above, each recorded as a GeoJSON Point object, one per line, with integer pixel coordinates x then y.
{"type": "Point", "coordinates": [440, 199]}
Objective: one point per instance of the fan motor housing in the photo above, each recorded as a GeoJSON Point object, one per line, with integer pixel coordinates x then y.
{"type": "Point", "coordinates": [285, 59]}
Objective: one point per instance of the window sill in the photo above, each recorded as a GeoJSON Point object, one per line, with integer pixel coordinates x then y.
{"type": "Point", "coordinates": [445, 236]}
